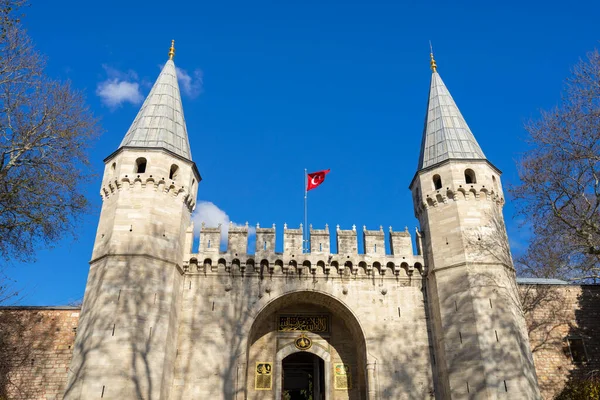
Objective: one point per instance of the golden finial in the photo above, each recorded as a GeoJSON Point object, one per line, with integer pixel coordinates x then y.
{"type": "Point", "coordinates": [432, 62]}
{"type": "Point", "coordinates": [172, 50]}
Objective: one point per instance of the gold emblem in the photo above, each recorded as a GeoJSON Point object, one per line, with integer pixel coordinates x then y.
{"type": "Point", "coordinates": [263, 376]}
{"type": "Point", "coordinates": [303, 343]}
{"type": "Point", "coordinates": [342, 378]}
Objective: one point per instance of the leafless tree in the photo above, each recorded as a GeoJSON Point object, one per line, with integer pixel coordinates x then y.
{"type": "Point", "coordinates": [45, 132]}
{"type": "Point", "coordinates": [559, 191]}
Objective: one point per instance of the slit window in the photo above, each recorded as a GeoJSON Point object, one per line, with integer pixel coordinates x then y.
{"type": "Point", "coordinates": [173, 172]}
{"type": "Point", "coordinates": [470, 176]}
{"type": "Point", "coordinates": [577, 349]}
{"type": "Point", "coordinates": [140, 165]}
{"type": "Point", "coordinates": [437, 182]}
{"type": "Point", "coordinates": [208, 246]}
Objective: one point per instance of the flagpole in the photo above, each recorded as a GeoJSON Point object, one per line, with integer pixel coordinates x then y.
{"type": "Point", "coordinates": [304, 231]}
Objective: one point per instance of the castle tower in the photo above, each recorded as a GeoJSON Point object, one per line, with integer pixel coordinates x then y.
{"type": "Point", "coordinates": [481, 345]}
{"type": "Point", "coordinates": [126, 339]}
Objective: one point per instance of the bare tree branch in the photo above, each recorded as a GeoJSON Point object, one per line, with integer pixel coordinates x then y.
{"type": "Point", "coordinates": [46, 130]}
{"type": "Point", "coordinates": [559, 191]}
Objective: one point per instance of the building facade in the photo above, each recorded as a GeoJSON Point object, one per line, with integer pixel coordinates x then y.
{"type": "Point", "coordinates": [162, 320]}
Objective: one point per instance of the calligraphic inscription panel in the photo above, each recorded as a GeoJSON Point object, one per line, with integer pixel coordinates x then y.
{"type": "Point", "coordinates": [304, 323]}
{"type": "Point", "coordinates": [342, 379]}
{"type": "Point", "coordinates": [263, 378]}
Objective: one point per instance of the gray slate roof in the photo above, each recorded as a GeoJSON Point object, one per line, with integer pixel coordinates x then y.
{"type": "Point", "coordinates": [160, 122]}
{"type": "Point", "coordinates": [541, 281]}
{"type": "Point", "coordinates": [446, 134]}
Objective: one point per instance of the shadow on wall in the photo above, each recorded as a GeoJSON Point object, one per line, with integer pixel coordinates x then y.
{"type": "Point", "coordinates": [408, 375]}
{"type": "Point", "coordinates": [122, 331]}
{"type": "Point", "coordinates": [500, 338]}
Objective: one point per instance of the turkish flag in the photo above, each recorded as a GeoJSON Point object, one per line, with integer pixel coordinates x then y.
{"type": "Point", "coordinates": [316, 178]}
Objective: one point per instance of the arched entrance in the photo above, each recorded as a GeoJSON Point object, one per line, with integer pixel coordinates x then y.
{"type": "Point", "coordinates": [302, 377]}
{"type": "Point", "coordinates": [313, 346]}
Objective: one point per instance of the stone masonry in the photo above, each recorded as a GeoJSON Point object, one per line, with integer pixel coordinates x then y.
{"type": "Point", "coordinates": [436, 316]}
{"type": "Point", "coordinates": [554, 313]}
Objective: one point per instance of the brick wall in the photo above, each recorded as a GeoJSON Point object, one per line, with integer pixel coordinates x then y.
{"type": "Point", "coordinates": [555, 313]}
{"type": "Point", "coordinates": [36, 345]}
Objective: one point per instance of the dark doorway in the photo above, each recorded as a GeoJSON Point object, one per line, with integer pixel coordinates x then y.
{"type": "Point", "coordinates": [303, 377]}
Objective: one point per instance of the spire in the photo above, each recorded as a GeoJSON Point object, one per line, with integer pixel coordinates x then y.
{"type": "Point", "coordinates": [160, 122]}
{"type": "Point", "coordinates": [432, 62]}
{"type": "Point", "coordinates": [446, 134]}
{"type": "Point", "coordinates": [172, 50]}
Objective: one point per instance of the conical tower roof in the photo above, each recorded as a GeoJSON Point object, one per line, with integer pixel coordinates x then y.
{"type": "Point", "coordinates": [446, 134]}
{"type": "Point", "coordinates": [160, 122]}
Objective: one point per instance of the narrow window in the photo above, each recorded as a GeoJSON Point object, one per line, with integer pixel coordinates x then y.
{"type": "Point", "coordinates": [320, 246]}
{"type": "Point", "coordinates": [437, 182]}
{"type": "Point", "coordinates": [577, 350]}
{"type": "Point", "coordinates": [208, 244]}
{"type": "Point", "coordinates": [495, 183]}
{"type": "Point", "coordinates": [375, 249]}
{"type": "Point", "coordinates": [174, 172]}
{"type": "Point", "coordinates": [470, 176]}
{"type": "Point", "coordinates": [265, 245]}
{"type": "Point", "coordinates": [113, 167]}
{"type": "Point", "coordinates": [140, 165]}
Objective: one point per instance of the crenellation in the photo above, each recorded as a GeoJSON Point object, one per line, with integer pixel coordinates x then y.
{"type": "Point", "coordinates": [374, 242]}
{"type": "Point", "coordinates": [210, 239]}
{"type": "Point", "coordinates": [347, 242]}
{"type": "Point", "coordinates": [401, 243]}
{"type": "Point", "coordinates": [292, 240]}
{"type": "Point", "coordinates": [265, 240]}
{"type": "Point", "coordinates": [320, 240]}
{"type": "Point", "coordinates": [293, 260]}
{"type": "Point", "coordinates": [237, 239]}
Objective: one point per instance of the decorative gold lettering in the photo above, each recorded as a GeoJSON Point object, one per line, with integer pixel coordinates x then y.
{"type": "Point", "coordinates": [306, 323]}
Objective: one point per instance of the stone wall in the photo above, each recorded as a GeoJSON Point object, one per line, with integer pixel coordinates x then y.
{"type": "Point", "coordinates": [558, 316]}
{"type": "Point", "coordinates": [36, 345]}
{"type": "Point", "coordinates": [36, 342]}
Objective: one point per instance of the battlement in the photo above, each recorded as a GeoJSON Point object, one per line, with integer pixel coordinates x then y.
{"type": "Point", "coordinates": [319, 259]}
{"type": "Point", "coordinates": [146, 182]}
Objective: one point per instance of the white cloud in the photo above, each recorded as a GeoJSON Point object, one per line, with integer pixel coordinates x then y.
{"type": "Point", "coordinates": [191, 85]}
{"type": "Point", "coordinates": [120, 87]}
{"type": "Point", "coordinates": [114, 92]}
{"type": "Point", "coordinates": [212, 216]}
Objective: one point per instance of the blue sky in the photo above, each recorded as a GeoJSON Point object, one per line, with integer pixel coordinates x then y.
{"type": "Point", "coordinates": [271, 88]}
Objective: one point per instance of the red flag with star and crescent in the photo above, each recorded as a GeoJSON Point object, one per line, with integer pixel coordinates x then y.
{"type": "Point", "coordinates": [315, 179]}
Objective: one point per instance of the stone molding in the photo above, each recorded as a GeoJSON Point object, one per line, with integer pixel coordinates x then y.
{"type": "Point", "coordinates": [147, 182]}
